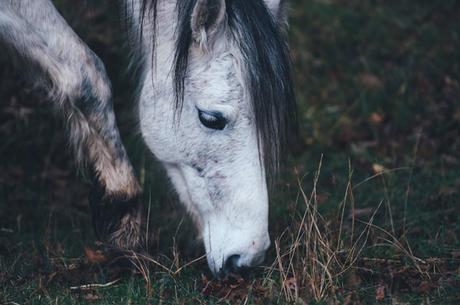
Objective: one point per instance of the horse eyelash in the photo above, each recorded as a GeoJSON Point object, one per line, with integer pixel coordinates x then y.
{"type": "Point", "coordinates": [219, 122]}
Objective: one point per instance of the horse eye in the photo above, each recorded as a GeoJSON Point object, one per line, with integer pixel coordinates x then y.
{"type": "Point", "coordinates": [213, 120]}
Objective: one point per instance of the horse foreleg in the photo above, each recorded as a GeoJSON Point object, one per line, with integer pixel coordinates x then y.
{"type": "Point", "coordinates": [82, 93]}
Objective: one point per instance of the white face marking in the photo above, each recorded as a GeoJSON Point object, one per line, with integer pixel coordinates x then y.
{"type": "Point", "coordinates": [217, 173]}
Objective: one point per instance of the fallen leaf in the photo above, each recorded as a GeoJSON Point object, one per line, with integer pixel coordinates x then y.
{"type": "Point", "coordinates": [322, 198]}
{"type": "Point", "coordinates": [457, 115]}
{"type": "Point", "coordinates": [380, 293]}
{"type": "Point", "coordinates": [348, 299]}
{"type": "Point", "coordinates": [94, 256]}
{"type": "Point", "coordinates": [370, 81]}
{"type": "Point", "coordinates": [424, 287]}
{"type": "Point", "coordinates": [450, 160]}
{"type": "Point", "coordinates": [91, 297]}
{"type": "Point", "coordinates": [376, 118]}
{"type": "Point", "coordinates": [291, 284]}
{"type": "Point", "coordinates": [353, 279]}
{"type": "Point", "coordinates": [378, 168]}
{"type": "Point", "coordinates": [447, 190]}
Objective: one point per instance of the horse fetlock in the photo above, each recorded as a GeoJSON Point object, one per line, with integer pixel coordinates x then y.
{"type": "Point", "coordinates": [117, 218]}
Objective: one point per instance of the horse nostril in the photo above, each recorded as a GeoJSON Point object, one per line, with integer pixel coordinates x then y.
{"type": "Point", "coordinates": [231, 264]}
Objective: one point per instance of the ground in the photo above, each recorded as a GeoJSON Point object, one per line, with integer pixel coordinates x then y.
{"type": "Point", "coordinates": [367, 209]}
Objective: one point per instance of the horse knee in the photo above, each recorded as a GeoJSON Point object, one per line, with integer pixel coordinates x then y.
{"type": "Point", "coordinates": [95, 82]}
{"type": "Point", "coordinates": [86, 98]}
{"type": "Point", "coordinates": [92, 126]}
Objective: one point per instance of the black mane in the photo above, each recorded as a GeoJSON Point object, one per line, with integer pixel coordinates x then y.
{"type": "Point", "coordinates": [268, 73]}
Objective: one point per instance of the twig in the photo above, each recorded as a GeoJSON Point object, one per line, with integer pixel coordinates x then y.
{"type": "Point", "coordinates": [94, 286]}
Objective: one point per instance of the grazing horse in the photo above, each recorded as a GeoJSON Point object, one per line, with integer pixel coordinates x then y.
{"type": "Point", "coordinates": [215, 107]}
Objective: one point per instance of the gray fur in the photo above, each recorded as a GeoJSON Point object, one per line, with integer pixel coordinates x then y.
{"type": "Point", "coordinates": [227, 64]}
{"type": "Point", "coordinates": [198, 56]}
{"type": "Point", "coordinates": [79, 87]}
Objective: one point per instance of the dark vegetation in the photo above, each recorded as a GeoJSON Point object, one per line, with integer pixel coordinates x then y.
{"type": "Point", "coordinates": [367, 210]}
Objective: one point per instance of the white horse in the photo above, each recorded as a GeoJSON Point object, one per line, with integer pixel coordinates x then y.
{"type": "Point", "coordinates": [215, 107]}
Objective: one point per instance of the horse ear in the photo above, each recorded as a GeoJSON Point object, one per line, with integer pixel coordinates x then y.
{"type": "Point", "coordinates": [207, 19]}
{"type": "Point", "coordinates": [279, 9]}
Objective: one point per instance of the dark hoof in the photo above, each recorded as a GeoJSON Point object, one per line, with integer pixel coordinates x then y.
{"type": "Point", "coordinates": [116, 219]}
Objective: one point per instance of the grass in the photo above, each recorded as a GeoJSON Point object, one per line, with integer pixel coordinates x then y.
{"type": "Point", "coordinates": [366, 212]}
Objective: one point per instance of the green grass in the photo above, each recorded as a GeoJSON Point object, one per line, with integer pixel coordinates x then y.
{"type": "Point", "coordinates": [378, 88]}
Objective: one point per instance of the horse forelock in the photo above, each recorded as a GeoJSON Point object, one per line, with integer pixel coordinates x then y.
{"type": "Point", "coordinates": [266, 58]}
{"type": "Point", "coordinates": [266, 64]}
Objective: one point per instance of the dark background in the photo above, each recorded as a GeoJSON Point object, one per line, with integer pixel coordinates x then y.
{"type": "Point", "coordinates": [378, 94]}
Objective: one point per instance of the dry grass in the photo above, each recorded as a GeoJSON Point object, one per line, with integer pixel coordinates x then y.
{"type": "Point", "coordinates": [376, 83]}
{"type": "Point", "coordinates": [316, 256]}
{"type": "Point", "coordinates": [311, 255]}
